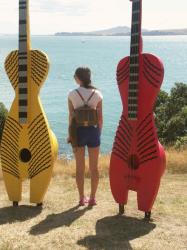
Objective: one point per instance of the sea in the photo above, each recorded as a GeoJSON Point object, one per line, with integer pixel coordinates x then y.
{"type": "Point", "coordinates": [102, 55]}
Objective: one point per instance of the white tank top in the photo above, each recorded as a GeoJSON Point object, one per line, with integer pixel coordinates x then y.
{"type": "Point", "coordinates": [86, 93]}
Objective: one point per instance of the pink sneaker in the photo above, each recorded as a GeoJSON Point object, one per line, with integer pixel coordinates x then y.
{"type": "Point", "coordinates": [83, 201]}
{"type": "Point", "coordinates": [92, 202]}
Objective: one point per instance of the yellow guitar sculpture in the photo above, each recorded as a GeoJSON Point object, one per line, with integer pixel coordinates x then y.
{"type": "Point", "coordinates": [29, 147]}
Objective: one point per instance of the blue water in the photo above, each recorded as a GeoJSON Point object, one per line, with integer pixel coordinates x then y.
{"type": "Point", "coordinates": [101, 54]}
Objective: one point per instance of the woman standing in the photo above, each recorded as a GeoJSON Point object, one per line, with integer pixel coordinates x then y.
{"type": "Point", "coordinates": [87, 135]}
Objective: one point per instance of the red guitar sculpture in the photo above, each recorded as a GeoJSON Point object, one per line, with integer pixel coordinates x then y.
{"type": "Point", "coordinates": [138, 159]}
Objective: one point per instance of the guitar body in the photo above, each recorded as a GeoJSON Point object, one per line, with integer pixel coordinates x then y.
{"type": "Point", "coordinates": [138, 159]}
{"type": "Point", "coordinates": [28, 150]}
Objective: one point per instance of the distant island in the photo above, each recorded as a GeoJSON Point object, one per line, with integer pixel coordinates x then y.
{"type": "Point", "coordinates": [125, 31]}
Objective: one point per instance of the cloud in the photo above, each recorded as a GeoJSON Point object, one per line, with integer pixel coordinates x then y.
{"type": "Point", "coordinates": [67, 7]}
{"type": "Point", "coordinates": [50, 16]}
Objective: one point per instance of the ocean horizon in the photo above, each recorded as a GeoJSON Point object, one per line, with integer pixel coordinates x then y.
{"type": "Point", "coordinates": [101, 54]}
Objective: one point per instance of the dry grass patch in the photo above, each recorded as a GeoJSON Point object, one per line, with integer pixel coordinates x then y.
{"type": "Point", "coordinates": [176, 161]}
{"type": "Point", "coordinates": [61, 225]}
{"type": "Point", "coordinates": [67, 167]}
{"type": "Point", "coordinates": [176, 164]}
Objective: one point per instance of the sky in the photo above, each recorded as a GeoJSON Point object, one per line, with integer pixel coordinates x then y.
{"type": "Point", "coordinates": [50, 16]}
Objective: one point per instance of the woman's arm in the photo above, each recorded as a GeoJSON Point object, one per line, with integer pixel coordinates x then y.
{"type": "Point", "coordinates": [71, 110]}
{"type": "Point", "coordinates": [100, 114]}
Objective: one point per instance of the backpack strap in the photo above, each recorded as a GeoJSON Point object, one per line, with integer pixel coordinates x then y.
{"type": "Point", "coordinates": [85, 102]}
{"type": "Point", "coordinates": [81, 96]}
{"type": "Point", "coordinates": [91, 96]}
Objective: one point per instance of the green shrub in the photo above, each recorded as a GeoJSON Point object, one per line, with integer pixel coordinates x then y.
{"type": "Point", "coordinates": [181, 143]}
{"type": "Point", "coordinates": [171, 116]}
{"type": "Point", "coordinates": [3, 114]}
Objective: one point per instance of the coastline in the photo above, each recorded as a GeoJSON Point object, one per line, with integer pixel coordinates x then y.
{"type": "Point", "coordinates": [95, 35]}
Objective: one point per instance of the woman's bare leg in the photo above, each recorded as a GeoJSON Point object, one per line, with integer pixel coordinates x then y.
{"type": "Point", "coordinates": [80, 170]}
{"type": "Point", "coordinates": [93, 165]}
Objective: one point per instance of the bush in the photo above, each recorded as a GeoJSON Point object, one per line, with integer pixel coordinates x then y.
{"type": "Point", "coordinates": [3, 115]}
{"type": "Point", "coordinates": [181, 143]}
{"type": "Point", "coordinates": [171, 116]}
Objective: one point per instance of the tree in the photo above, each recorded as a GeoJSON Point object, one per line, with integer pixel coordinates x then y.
{"type": "Point", "coordinates": [171, 115]}
{"type": "Point", "coordinates": [3, 115]}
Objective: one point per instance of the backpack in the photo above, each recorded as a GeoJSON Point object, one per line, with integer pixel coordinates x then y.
{"type": "Point", "coordinates": [85, 115]}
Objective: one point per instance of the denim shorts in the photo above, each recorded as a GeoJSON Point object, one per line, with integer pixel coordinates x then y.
{"type": "Point", "coordinates": [88, 136]}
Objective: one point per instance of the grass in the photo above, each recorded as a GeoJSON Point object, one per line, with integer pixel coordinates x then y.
{"type": "Point", "coordinates": [176, 164]}
{"type": "Point", "coordinates": [61, 225]}
{"type": "Point", "coordinates": [176, 161]}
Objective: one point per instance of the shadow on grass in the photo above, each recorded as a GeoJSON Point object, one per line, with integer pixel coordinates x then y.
{"type": "Point", "coordinates": [53, 221]}
{"type": "Point", "coordinates": [21, 213]}
{"type": "Point", "coordinates": [116, 232]}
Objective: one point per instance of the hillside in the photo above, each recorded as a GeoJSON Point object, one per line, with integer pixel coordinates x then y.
{"type": "Point", "coordinates": [112, 31]}
{"type": "Point", "coordinates": [105, 32]}
{"type": "Point", "coordinates": [173, 32]}
{"type": "Point", "coordinates": [124, 31]}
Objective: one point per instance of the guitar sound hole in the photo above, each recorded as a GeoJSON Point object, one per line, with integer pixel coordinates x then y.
{"type": "Point", "coordinates": [25, 155]}
{"type": "Point", "coordinates": [133, 162]}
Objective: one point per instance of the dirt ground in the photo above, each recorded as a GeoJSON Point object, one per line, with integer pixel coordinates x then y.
{"type": "Point", "coordinates": [62, 225]}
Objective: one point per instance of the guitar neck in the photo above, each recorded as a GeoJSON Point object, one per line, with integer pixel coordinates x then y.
{"type": "Point", "coordinates": [24, 47]}
{"type": "Point", "coordinates": [135, 51]}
